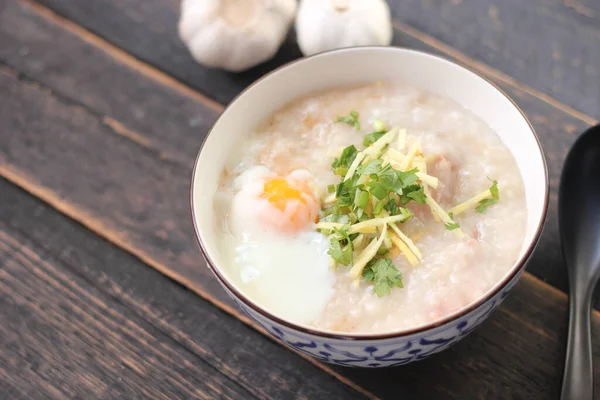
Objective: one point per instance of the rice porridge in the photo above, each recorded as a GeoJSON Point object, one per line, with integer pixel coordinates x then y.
{"type": "Point", "coordinates": [369, 209]}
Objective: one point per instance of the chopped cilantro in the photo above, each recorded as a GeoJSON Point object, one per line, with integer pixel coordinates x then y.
{"type": "Point", "coordinates": [378, 190]}
{"type": "Point", "coordinates": [368, 274]}
{"type": "Point", "coordinates": [391, 207]}
{"type": "Point", "coordinates": [361, 200]}
{"type": "Point", "coordinates": [341, 245]}
{"type": "Point", "coordinates": [375, 189]}
{"type": "Point", "coordinates": [344, 195]}
{"type": "Point", "coordinates": [342, 255]}
{"type": "Point", "coordinates": [364, 217]}
{"type": "Point", "coordinates": [452, 226]}
{"type": "Point", "coordinates": [340, 171]}
{"type": "Point", "coordinates": [346, 158]}
{"type": "Point", "coordinates": [351, 120]}
{"type": "Point", "coordinates": [408, 177]}
{"type": "Point", "coordinates": [372, 168]}
{"type": "Point", "coordinates": [373, 137]}
{"type": "Point", "coordinates": [378, 208]}
{"type": "Point", "coordinates": [342, 233]}
{"type": "Point", "coordinates": [383, 274]}
{"type": "Point", "coordinates": [495, 191]}
{"type": "Point", "coordinates": [413, 192]}
{"type": "Point", "coordinates": [390, 180]}
{"type": "Point", "coordinates": [485, 203]}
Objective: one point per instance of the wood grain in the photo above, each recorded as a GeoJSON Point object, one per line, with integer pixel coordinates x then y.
{"type": "Point", "coordinates": [516, 354]}
{"type": "Point", "coordinates": [63, 338]}
{"type": "Point", "coordinates": [130, 190]}
{"type": "Point", "coordinates": [551, 45]}
{"type": "Point", "coordinates": [519, 30]}
{"type": "Point", "coordinates": [50, 136]}
{"type": "Point", "coordinates": [103, 311]}
{"type": "Point", "coordinates": [168, 131]}
{"type": "Point", "coordinates": [170, 122]}
{"type": "Point", "coordinates": [148, 197]}
{"type": "Point", "coordinates": [133, 191]}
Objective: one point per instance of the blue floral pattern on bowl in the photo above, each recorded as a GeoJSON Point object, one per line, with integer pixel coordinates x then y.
{"type": "Point", "coordinates": [387, 352]}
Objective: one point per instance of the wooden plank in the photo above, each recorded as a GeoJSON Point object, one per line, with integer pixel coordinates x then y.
{"type": "Point", "coordinates": [168, 120]}
{"type": "Point", "coordinates": [78, 315]}
{"type": "Point", "coordinates": [104, 193]}
{"type": "Point", "coordinates": [517, 353]}
{"type": "Point", "coordinates": [543, 43]}
{"type": "Point", "coordinates": [159, 19]}
{"type": "Point", "coordinates": [172, 121]}
{"type": "Point", "coordinates": [64, 339]}
{"type": "Point", "coordinates": [107, 190]}
{"type": "Point", "coordinates": [550, 45]}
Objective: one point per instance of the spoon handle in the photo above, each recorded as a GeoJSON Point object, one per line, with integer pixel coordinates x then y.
{"type": "Point", "coordinates": [578, 379]}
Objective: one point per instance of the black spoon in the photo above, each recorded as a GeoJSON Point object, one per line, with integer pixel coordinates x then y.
{"type": "Point", "coordinates": [579, 223]}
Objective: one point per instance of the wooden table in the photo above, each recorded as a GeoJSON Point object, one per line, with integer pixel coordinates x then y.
{"type": "Point", "coordinates": [103, 292]}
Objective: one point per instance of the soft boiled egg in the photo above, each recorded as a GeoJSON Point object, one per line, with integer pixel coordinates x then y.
{"type": "Point", "coordinates": [281, 260]}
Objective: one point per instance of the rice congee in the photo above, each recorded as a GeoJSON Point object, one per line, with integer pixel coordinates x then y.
{"type": "Point", "coordinates": [369, 209]}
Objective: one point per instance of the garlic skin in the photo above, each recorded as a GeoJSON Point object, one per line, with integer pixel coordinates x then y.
{"type": "Point", "coordinates": [235, 35]}
{"type": "Point", "coordinates": [323, 25]}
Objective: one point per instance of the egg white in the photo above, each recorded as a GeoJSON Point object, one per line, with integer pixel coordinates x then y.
{"type": "Point", "coordinates": [289, 274]}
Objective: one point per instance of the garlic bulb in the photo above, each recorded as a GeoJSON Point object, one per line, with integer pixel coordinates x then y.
{"type": "Point", "coordinates": [323, 25]}
{"type": "Point", "coordinates": [234, 34]}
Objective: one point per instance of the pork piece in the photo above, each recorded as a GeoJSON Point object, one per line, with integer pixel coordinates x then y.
{"type": "Point", "coordinates": [447, 175]}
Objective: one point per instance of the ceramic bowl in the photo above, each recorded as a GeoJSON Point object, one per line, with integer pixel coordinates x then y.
{"type": "Point", "coordinates": [350, 67]}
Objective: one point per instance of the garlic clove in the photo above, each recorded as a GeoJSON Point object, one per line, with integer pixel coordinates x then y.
{"type": "Point", "coordinates": [234, 34]}
{"type": "Point", "coordinates": [323, 25]}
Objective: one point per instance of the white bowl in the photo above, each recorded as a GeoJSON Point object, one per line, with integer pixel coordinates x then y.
{"type": "Point", "coordinates": [350, 67]}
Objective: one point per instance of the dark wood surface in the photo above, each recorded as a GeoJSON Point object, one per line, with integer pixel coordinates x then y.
{"type": "Point", "coordinates": [176, 132]}
{"type": "Point", "coordinates": [74, 319]}
{"type": "Point", "coordinates": [83, 316]}
{"type": "Point", "coordinates": [102, 111]}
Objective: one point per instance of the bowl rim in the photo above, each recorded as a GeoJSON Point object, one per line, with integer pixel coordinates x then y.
{"type": "Point", "coordinates": [457, 314]}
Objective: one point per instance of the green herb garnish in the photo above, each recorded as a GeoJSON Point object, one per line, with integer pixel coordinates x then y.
{"type": "Point", "coordinates": [351, 120]}
{"type": "Point", "coordinates": [485, 203]}
{"type": "Point", "coordinates": [370, 200]}
{"type": "Point", "coordinates": [341, 245]}
{"type": "Point", "coordinates": [391, 207]}
{"type": "Point", "coordinates": [383, 274]}
{"type": "Point", "coordinates": [362, 199]}
{"type": "Point", "coordinates": [372, 168]}
{"type": "Point", "coordinates": [375, 190]}
{"type": "Point", "coordinates": [413, 192]}
{"type": "Point", "coordinates": [372, 137]}
{"type": "Point", "coordinates": [348, 155]}
{"type": "Point", "coordinates": [341, 255]}
{"type": "Point", "coordinates": [408, 177]}
{"type": "Point", "coordinates": [452, 225]}
{"type": "Point", "coordinates": [379, 207]}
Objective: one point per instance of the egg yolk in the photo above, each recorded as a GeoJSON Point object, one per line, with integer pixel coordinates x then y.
{"type": "Point", "coordinates": [294, 199]}
{"type": "Point", "coordinates": [278, 191]}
